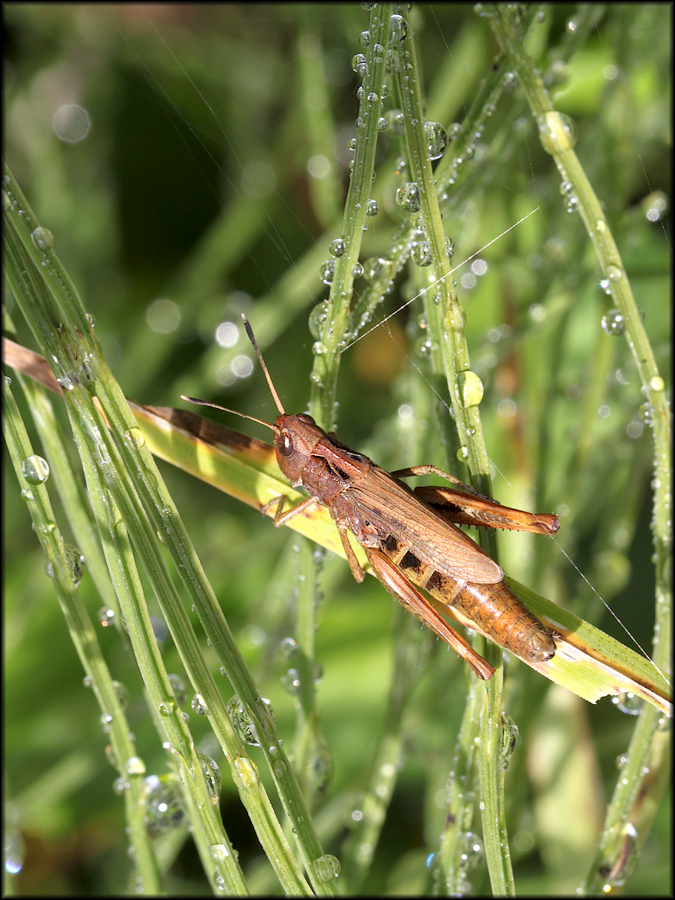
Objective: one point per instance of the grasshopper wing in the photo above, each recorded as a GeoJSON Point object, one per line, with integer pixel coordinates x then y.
{"type": "Point", "coordinates": [395, 510]}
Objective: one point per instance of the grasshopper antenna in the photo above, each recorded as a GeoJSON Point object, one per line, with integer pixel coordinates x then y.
{"type": "Point", "coordinates": [225, 409]}
{"type": "Point", "coordinates": [251, 337]}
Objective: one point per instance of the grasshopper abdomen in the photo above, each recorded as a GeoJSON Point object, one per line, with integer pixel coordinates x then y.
{"type": "Point", "coordinates": [494, 608]}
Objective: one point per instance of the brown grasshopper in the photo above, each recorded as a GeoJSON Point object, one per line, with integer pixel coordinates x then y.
{"type": "Point", "coordinates": [410, 536]}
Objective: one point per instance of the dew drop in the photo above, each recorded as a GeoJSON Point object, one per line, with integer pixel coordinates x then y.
{"type": "Point", "coordinates": [164, 809]}
{"type": "Point", "coordinates": [374, 268]}
{"type": "Point", "coordinates": [325, 868]}
{"type": "Point", "coordinates": [509, 739]}
{"type": "Point", "coordinates": [42, 238]}
{"type": "Point", "coordinates": [360, 65]}
{"type": "Point", "coordinates": [291, 681]}
{"type": "Point", "coordinates": [337, 248]}
{"type": "Point", "coordinates": [218, 853]}
{"type": "Point", "coordinates": [395, 122]}
{"type": "Point", "coordinates": [628, 703]}
{"type": "Point", "coordinates": [75, 563]}
{"type": "Point", "coordinates": [393, 61]}
{"type": "Point", "coordinates": [469, 388]}
{"type": "Point", "coordinates": [317, 320]}
{"type": "Point", "coordinates": [408, 197]}
{"type": "Point", "coordinates": [436, 138]}
{"type": "Point", "coordinates": [134, 766]}
{"type": "Point", "coordinates": [646, 414]}
{"type": "Point", "coordinates": [159, 629]}
{"type": "Point", "coordinates": [557, 132]}
{"type": "Point", "coordinates": [242, 722]}
{"type": "Point", "coordinates": [212, 777]}
{"type": "Point", "coordinates": [35, 469]}
{"type": "Point", "coordinates": [198, 705]}
{"type": "Point", "coordinates": [135, 437]}
{"type": "Point", "coordinates": [106, 616]}
{"type": "Point", "coordinates": [122, 694]}
{"type": "Point", "coordinates": [421, 253]}
{"type": "Point", "coordinates": [399, 29]}
{"type": "Point", "coordinates": [423, 347]}
{"type": "Point", "coordinates": [288, 648]}
{"type": "Point", "coordinates": [471, 850]}
{"type": "Point", "coordinates": [247, 771]}
{"type": "Point", "coordinates": [320, 770]}
{"type": "Point", "coordinates": [327, 271]}
{"type": "Point", "coordinates": [572, 204]}
{"type": "Point", "coordinates": [613, 322]}
{"type": "Point", "coordinates": [622, 760]}
{"type": "Point", "coordinates": [66, 382]}
{"type": "Point", "coordinates": [120, 786]}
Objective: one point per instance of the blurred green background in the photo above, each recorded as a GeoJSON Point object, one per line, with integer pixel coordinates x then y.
{"type": "Point", "coordinates": [173, 151]}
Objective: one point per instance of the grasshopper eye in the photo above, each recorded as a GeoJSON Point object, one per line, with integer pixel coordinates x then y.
{"type": "Point", "coordinates": [285, 444]}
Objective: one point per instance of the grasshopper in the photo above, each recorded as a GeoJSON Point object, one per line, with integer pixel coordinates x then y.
{"type": "Point", "coordinates": [410, 537]}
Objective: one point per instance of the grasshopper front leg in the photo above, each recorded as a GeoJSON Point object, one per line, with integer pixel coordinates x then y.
{"type": "Point", "coordinates": [281, 517]}
{"type": "Point", "coordinates": [406, 594]}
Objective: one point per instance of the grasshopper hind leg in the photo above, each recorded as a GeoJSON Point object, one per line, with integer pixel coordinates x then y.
{"type": "Point", "coordinates": [406, 594]}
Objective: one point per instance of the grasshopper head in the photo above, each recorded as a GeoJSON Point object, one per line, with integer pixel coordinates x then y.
{"type": "Point", "coordinates": [295, 437]}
